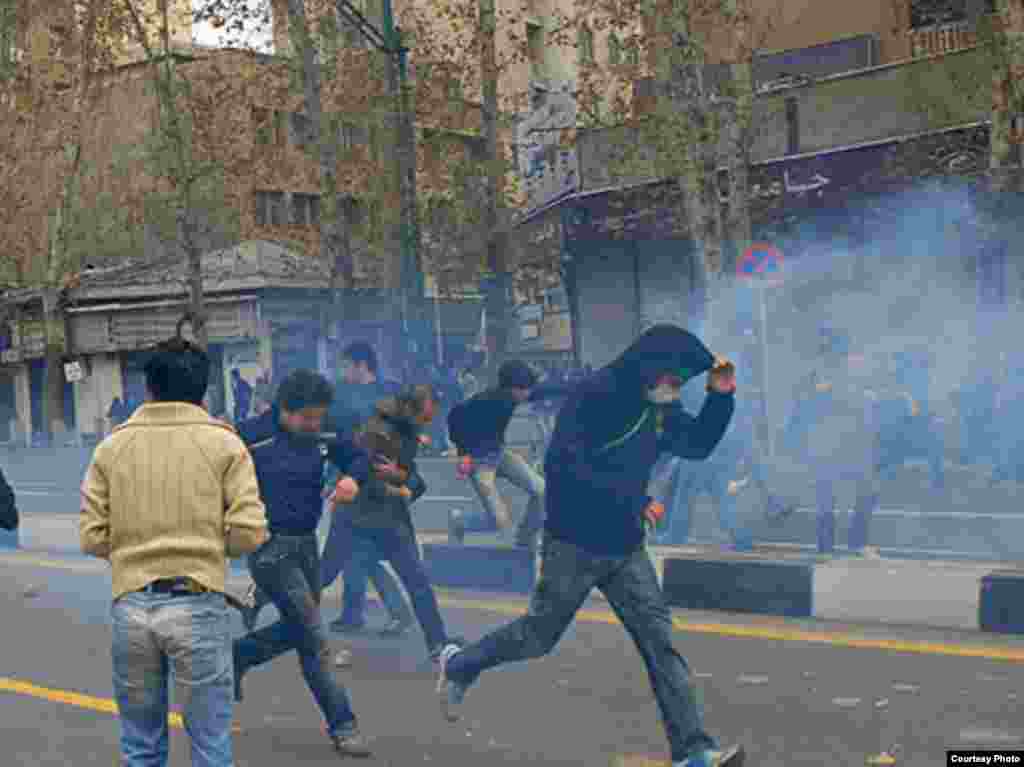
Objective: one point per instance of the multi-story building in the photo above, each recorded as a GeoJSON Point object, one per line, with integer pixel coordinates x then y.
{"type": "Point", "coordinates": [248, 126]}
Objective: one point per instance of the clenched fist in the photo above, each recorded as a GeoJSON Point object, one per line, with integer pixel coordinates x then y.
{"type": "Point", "coordinates": [722, 376]}
{"type": "Point", "coordinates": [654, 513]}
{"type": "Point", "coordinates": [465, 467]}
{"type": "Point", "coordinates": [345, 491]}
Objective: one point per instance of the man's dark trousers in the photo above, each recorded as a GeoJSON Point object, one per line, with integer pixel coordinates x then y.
{"type": "Point", "coordinates": [287, 569]}
{"type": "Point", "coordinates": [568, 574]}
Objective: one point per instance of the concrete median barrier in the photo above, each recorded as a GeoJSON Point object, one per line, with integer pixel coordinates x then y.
{"type": "Point", "coordinates": [1001, 606]}
{"type": "Point", "coordinates": [741, 584]}
{"type": "Point", "coordinates": [484, 568]}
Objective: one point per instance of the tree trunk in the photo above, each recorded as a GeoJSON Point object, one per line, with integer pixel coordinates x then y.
{"type": "Point", "coordinates": [499, 286]}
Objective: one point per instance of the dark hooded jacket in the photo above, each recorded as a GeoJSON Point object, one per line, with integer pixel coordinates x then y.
{"type": "Point", "coordinates": [477, 426]}
{"type": "Point", "coordinates": [608, 437]}
{"type": "Point", "coordinates": [389, 434]}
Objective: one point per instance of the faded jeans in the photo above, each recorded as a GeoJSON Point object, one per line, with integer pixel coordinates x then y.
{"type": "Point", "coordinates": [184, 637]}
{"type": "Point", "coordinates": [336, 557]}
{"type": "Point", "coordinates": [496, 515]}
{"type": "Point", "coordinates": [397, 546]}
{"type": "Point", "coordinates": [567, 576]}
{"type": "Point", "coordinates": [287, 569]}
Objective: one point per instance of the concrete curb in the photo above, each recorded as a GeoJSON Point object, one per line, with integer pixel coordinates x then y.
{"type": "Point", "coordinates": [939, 594]}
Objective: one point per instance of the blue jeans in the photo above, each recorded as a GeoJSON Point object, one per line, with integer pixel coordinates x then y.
{"type": "Point", "coordinates": [398, 546]}
{"type": "Point", "coordinates": [184, 637]}
{"type": "Point", "coordinates": [336, 556]}
{"type": "Point", "coordinates": [287, 569]}
{"type": "Point", "coordinates": [567, 576]}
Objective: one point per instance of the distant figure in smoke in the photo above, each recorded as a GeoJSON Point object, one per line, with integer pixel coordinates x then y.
{"type": "Point", "coordinates": [607, 438]}
{"type": "Point", "coordinates": [1011, 418]}
{"type": "Point", "coordinates": [732, 467]}
{"type": "Point", "coordinates": [835, 431]}
{"type": "Point", "coordinates": [477, 427]}
{"type": "Point", "coordinates": [907, 427]}
{"type": "Point", "coordinates": [242, 392]}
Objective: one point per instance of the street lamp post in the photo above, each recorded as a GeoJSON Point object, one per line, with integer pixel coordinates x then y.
{"type": "Point", "coordinates": [389, 41]}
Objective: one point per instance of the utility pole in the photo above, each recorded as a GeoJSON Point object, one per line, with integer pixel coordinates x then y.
{"type": "Point", "coordinates": [389, 41]}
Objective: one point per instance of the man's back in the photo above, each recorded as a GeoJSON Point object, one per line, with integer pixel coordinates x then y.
{"type": "Point", "coordinates": [171, 493]}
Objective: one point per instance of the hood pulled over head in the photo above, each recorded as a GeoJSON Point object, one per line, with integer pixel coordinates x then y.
{"type": "Point", "coordinates": [663, 350]}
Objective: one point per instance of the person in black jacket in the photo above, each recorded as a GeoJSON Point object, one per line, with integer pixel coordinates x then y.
{"type": "Point", "coordinates": [477, 427]}
{"type": "Point", "coordinates": [289, 463]}
{"type": "Point", "coordinates": [381, 519]}
{"type": "Point", "coordinates": [8, 506]}
{"type": "Point", "coordinates": [607, 438]}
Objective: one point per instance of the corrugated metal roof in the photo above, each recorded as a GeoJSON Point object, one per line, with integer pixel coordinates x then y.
{"type": "Point", "coordinates": [250, 265]}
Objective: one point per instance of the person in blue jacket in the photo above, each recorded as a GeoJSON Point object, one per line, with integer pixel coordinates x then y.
{"type": "Point", "coordinates": [607, 438]}
{"type": "Point", "coordinates": [289, 461]}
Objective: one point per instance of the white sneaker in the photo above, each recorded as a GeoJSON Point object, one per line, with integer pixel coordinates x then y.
{"type": "Point", "coordinates": [343, 659]}
{"type": "Point", "coordinates": [730, 757]}
{"type": "Point", "coordinates": [451, 694]}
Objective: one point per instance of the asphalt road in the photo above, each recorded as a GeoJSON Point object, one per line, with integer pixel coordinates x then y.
{"type": "Point", "coordinates": [969, 519]}
{"type": "Point", "coordinates": [795, 693]}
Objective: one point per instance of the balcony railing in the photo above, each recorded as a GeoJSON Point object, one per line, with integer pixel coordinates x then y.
{"type": "Point", "coordinates": [941, 38]}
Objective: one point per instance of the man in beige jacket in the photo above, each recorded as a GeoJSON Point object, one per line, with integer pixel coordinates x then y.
{"type": "Point", "coordinates": [169, 496]}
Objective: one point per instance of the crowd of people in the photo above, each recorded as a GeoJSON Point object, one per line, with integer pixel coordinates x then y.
{"type": "Point", "coordinates": [167, 516]}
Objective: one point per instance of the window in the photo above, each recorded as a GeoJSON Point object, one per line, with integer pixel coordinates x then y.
{"type": "Point", "coordinates": [614, 50]}
{"type": "Point", "coordinates": [8, 35]}
{"type": "Point", "coordinates": [299, 129]}
{"type": "Point", "coordinates": [632, 49]}
{"type": "Point", "coordinates": [535, 49]}
{"type": "Point", "coordinates": [585, 46]}
{"type": "Point", "coordinates": [354, 209]}
{"type": "Point", "coordinates": [268, 127]}
{"type": "Point", "coordinates": [931, 13]}
{"type": "Point", "coordinates": [269, 208]}
{"type": "Point", "coordinates": [305, 209]}
{"type": "Point", "coordinates": [792, 126]}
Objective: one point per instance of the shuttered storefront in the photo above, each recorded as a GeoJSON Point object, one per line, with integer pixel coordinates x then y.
{"type": "Point", "coordinates": [143, 326]}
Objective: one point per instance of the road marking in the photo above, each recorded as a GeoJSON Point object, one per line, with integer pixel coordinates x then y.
{"type": "Point", "coordinates": [638, 760]}
{"type": "Point", "coordinates": [76, 699]}
{"type": "Point", "coordinates": [778, 633]}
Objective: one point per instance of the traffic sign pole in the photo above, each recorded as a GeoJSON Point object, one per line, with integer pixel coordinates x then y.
{"type": "Point", "coordinates": [762, 262]}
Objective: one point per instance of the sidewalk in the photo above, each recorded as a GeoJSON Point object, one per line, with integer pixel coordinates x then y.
{"type": "Point", "coordinates": [942, 594]}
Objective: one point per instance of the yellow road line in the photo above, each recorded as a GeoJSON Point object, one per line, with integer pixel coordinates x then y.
{"type": "Point", "coordinates": [76, 699]}
{"type": "Point", "coordinates": [453, 599]}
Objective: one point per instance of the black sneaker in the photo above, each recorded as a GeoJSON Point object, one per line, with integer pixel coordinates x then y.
{"type": "Point", "coordinates": [397, 627]}
{"type": "Point", "coordinates": [342, 626]}
{"type": "Point", "coordinates": [351, 743]}
{"type": "Point", "coordinates": [456, 528]}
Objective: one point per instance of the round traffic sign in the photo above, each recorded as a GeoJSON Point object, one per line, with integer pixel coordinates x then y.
{"type": "Point", "coordinates": [760, 258]}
